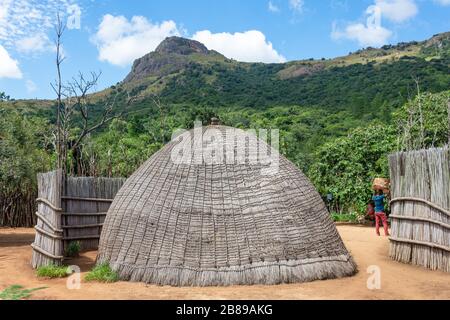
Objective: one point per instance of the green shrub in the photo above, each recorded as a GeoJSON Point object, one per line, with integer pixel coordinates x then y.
{"type": "Point", "coordinates": [16, 292]}
{"type": "Point", "coordinates": [344, 217]}
{"type": "Point", "coordinates": [73, 249]}
{"type": "Point", "coordinates": [52, 271]}
{"type": "Point", "coordinates": [102, 273]}
{"type": "Point", "coordinates": [347, 166]}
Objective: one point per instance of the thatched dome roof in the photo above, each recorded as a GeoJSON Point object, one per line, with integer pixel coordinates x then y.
{"type": "Point", "coordinates": [220, 224]}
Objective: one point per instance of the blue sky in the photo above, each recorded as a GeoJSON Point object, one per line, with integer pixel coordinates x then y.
{"type": "Point", "coordinates": [108, 35]}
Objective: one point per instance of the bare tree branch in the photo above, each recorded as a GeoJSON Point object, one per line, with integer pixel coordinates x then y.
{"type": "Point", "coordinates": [57, 87]}
{"type": "Point", "coordinates": [73, 103]}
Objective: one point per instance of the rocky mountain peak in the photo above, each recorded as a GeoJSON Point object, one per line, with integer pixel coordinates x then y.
{"type": "Point", "coordinates": [177, 45]}
{"type": "Point", "coordinates": [172, 55]}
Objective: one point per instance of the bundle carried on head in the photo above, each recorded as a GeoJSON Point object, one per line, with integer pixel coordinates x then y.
{"type": "Point", "coordinates": [381, 184]}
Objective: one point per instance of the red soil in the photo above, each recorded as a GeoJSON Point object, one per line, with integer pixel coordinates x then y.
{"type": "Point", "coordinates": [398, 281]}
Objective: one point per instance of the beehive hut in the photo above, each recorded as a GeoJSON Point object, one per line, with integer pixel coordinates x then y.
{"type": "Point", "coordinates": [194, 223]}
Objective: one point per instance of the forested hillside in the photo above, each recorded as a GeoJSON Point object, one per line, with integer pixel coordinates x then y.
{"type": "Point", "coordinates": [338, 118]}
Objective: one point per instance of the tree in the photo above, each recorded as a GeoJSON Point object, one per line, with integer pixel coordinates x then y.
{"type": "Point", "coordinates": [73, 111]}
{"type": "Point", "coordinates": [4, 97]}
{"type": "Point", "coordinates": [423, 122]}
{"type": "Point", "coordinates": [23, 153]}
{"type": "Point", "coordinates": [347, 166]}
{"type": "Point", "coordinates": [119, 151]}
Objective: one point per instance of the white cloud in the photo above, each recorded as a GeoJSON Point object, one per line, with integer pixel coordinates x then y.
{"type": "Point", "coordinates": [249, 46]}
{"type": "Point", "coordinates": [34, 44]}
{"type": "Point", "coordinates": [273, 7]}
{"type": "Point", "coordinates": [121, 41]}
{"type": "Point", "coordinates": [9, 68]}
{"type": "Point", "coordinates": [370, 34]}
{"type": "Point", "coordinates": [373, 33]}
{"type": "Point", "coordinates": [31, 86]}
{"type": "Point", "coordinates": [297, 5]}
{"type": "Point", "coordinates": [397, 10]}
{"type": "Point", "coordinates": [443, 2]}
{"type": "Point", "coordinates": [25, 19]}
{"type": "Point", "coordinates": [365, 35]}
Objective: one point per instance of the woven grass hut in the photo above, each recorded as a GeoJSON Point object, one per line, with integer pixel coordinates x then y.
{"type": "Point", "coordinates": [218, 224]}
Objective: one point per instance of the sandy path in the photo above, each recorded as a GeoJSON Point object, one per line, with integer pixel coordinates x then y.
{"type": "Point", "coordinates": [398, 281]}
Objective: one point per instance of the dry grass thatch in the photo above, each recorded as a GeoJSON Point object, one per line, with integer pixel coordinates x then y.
{"type": "Point", "coordinates": [420, 182]}
{"type": "Point", "coordinates": [220, 224]}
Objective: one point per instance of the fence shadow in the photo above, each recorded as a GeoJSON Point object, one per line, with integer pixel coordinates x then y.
{"type": "Point", "coordinates": [86, 261]}
{"type": "Point", "coordinates": [16, 239]}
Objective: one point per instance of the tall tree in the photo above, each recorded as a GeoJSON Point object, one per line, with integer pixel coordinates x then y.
{"type": "Point", "coordinates": [74, 105]}
{"type": "Point", "coordinates": [4, 97]}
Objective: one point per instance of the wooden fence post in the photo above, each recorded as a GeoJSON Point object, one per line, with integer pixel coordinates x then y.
{"type": "Point", "coordinates": [448, 122]}
{"type": "Point", "coordinates": [48, 243]}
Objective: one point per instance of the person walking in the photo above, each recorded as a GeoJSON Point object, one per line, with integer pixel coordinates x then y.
{"type": "Point", "coordinates": [380, 214]}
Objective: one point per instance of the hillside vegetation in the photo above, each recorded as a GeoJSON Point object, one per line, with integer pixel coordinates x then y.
{"type": "Point", "coordinates": [338, 118]}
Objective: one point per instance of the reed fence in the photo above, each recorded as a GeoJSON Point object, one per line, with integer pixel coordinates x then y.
{"type": "Point", "coordinates": [420, 207]}
{"type": "Point", "coordinates": [17, 208]}
{"type": "Point", "coordinates": [70, 210]}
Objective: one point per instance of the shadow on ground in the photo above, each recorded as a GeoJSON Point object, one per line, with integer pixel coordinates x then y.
{"type": "Point", "coordinates": [16, 239]}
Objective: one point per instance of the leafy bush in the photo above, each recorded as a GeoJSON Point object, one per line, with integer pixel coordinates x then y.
{"type": "Point", "coordinates": [347, 166]}
{"type": "Point", "coordinates": [102, 273]}
{"type": "Point", "coordinates": [423, 122]}
{"type": "Point", "coordinates": [52, 271]}
{"type": "Point", "coordinates": [73, 249]}
{"type": "Point", "coordinates": [17, 292]}
{"type": "Point", "coordinates": [23, 154]}
{"type": "Point", "coordinates": [345, 217]}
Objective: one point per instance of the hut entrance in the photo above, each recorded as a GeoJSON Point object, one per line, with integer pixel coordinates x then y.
{"type": "Point", "coordinates": [70, 210]}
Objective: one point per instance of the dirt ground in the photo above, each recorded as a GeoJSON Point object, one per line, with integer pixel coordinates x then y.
{"type": "Point", "coordinates": [398, 281]}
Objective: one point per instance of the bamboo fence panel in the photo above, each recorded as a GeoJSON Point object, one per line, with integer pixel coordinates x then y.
{"type": "Point", "coordinates": [85, 203]}
{"type": "Point", "coordinates": [420, 206]}
{"type": "Point", "coordinates": [47, 246]}
{"type": "Point", "coordinates": [71, 209]}
{"type": "Point", "coordinates": [17, 208]}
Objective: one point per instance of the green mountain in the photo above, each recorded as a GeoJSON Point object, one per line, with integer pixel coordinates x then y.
{"type": "Point", "coordinates": [310, 101]}
{"type": "Point", "coordinates": [183, 71]}
{"type": "Point", "coordinates": [364, 83]}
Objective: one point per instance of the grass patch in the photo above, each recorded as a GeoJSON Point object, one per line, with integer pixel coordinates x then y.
{"type": "Point", "coordinates": [16, 292]}
{"type": "Point", "coordinates": [345, 217]}
{"type": "Point", "coordinates": [73, 249]}
{"type": "Point", "coordinates": [52, 271]}
{"type": "Point", "coordinates": [102, 273]}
